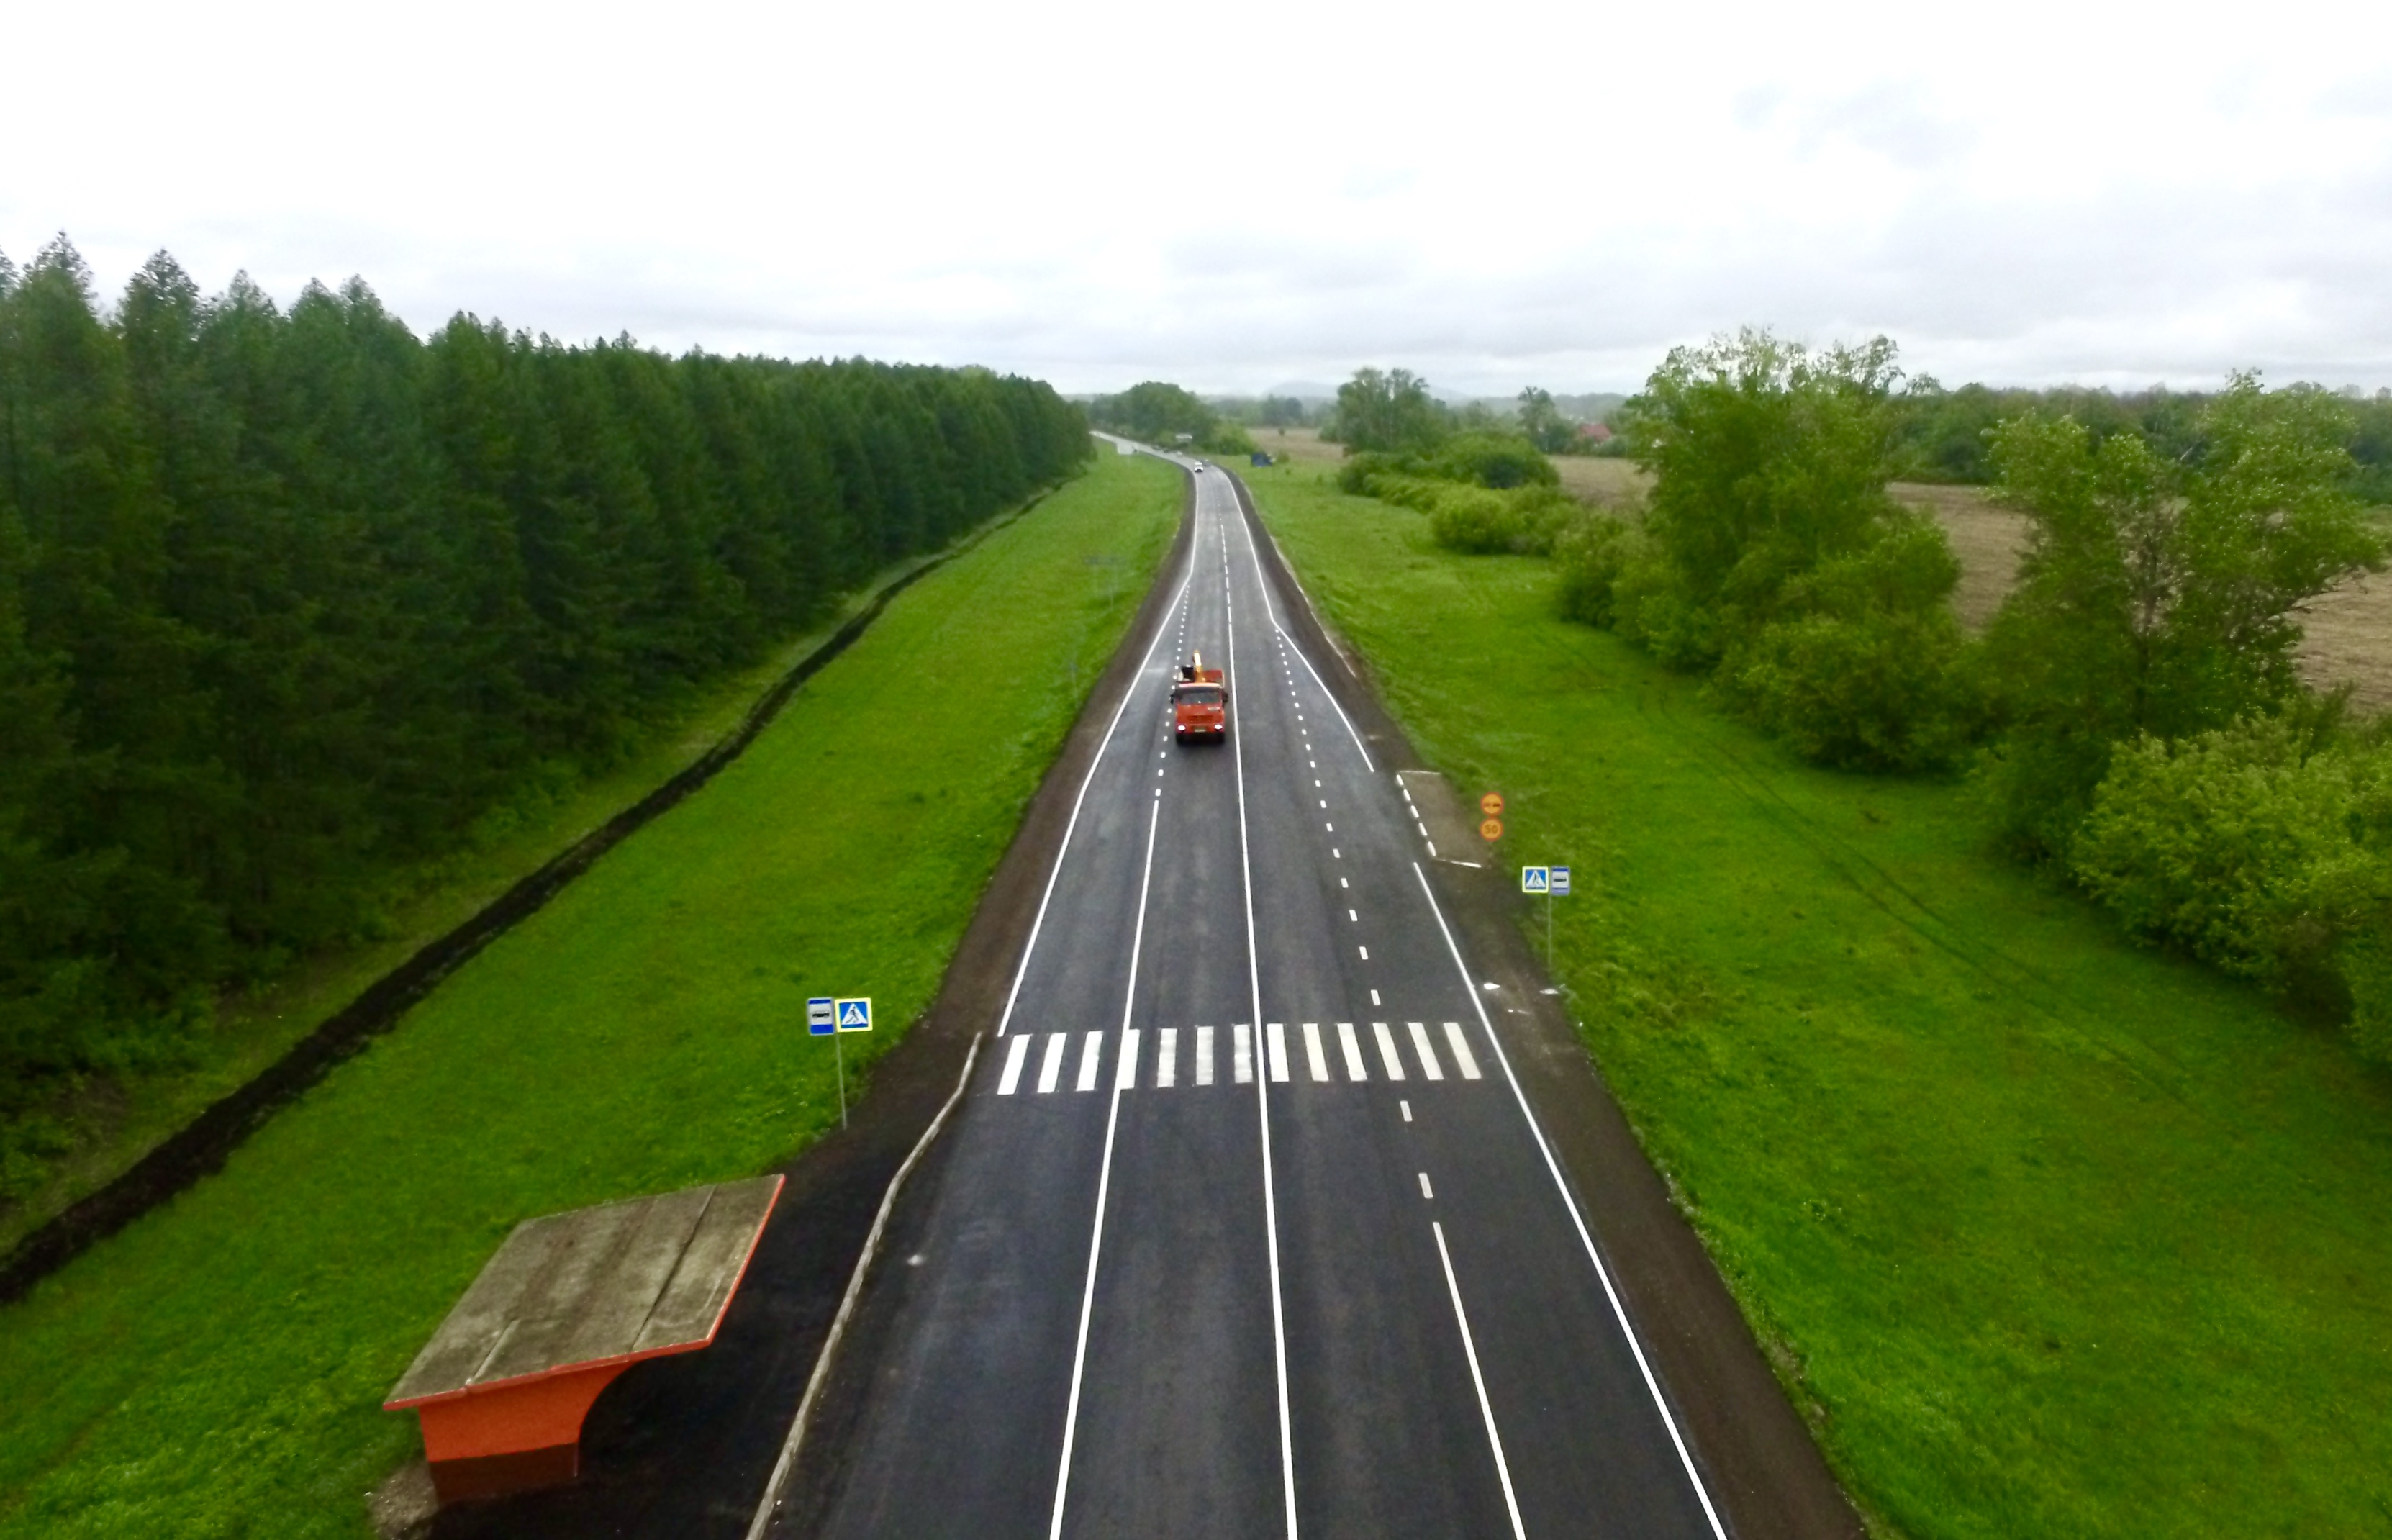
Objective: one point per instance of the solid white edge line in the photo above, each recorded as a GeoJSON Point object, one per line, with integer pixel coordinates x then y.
{"type": "Point", "coordinates": [1470, 1351]}
{"type": "Point", "coordinates": [1255, 552]}
{"type": "Point", "coordinates": [1618, 1311]}
{"type": "Point", "coordinates": [781, 1467]}
{"type": "Point", "coordinates": [1104, 1185]}
{"type": "Point", "coordinates": [1262, 1082]}
{"type": "Point", "coordinates": [1064, 850]}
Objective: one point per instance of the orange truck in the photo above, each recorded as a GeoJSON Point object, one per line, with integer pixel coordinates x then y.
{"type": "Point", "coordinates": [1200, 702]}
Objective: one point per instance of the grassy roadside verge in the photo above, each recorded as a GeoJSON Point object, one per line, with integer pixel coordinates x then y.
{"type": "Point", "coordinates": [217, 1367]}
{"type": "Point", "coordinates": [2047, 1233]}
{"type": "Point", "coordinates": [110, 1126]}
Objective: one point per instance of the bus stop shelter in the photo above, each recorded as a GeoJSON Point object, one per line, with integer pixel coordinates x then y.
{"type": "Point", "coordinates": [570, 1301]}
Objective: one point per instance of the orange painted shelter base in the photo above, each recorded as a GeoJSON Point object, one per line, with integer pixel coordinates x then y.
{"type": "Point", "coordinates": [569, 1302]}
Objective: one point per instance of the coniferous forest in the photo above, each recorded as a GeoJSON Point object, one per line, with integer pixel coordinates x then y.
{"type": "Point", "coordinates": [289, 599]}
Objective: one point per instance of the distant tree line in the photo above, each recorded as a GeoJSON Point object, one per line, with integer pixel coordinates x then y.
{"type": "Point", "coordinates": [2132, 717]}
{"type": "Point", "coordinates": [1949, 434]}
{"type": "Point", "coordinates": [289, 599]}
{"type": "Point", "coordinates": [1155, 412]}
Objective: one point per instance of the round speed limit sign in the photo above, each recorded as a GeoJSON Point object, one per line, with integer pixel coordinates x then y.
{"type": "Point", "coordinates": [1491, 830]}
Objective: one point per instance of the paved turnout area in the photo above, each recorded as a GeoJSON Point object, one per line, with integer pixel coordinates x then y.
{"type": "Point", "coordinates": [1244, 1227]}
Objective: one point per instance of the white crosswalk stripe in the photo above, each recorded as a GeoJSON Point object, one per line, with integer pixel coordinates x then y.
{"type": "Point", "coordinates": [1461, 1054]}
{"type": "Point", "coordinates": [1429, 1066]}
{"type": "Point", "coordinates": [1312, 1055]}
{"type": "Point", "coordinates": [1354, 1070]}
{"type": "Point", "coordinates": [1273, 1047]}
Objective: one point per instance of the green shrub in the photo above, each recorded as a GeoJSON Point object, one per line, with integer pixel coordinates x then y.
{"type": "Point", "coordinates": [1476, 521]}
{"type": "Point", "coordinates": [1883, 690]}
{"type": "Point", "coordinates": [2256, 848]}
{"type": "Point", "coordinates": [1493, 461]}
{"type": "Point", "coordinates": [1590, 554]}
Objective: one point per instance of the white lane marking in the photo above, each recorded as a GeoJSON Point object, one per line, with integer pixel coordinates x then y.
{"type": "Point", "coordinates": [1429, 1066]}
{"type": "Point", "coordinates": [1432, 850]}
{"type": "Point", "coordinates": [1426, 1191]}
{"type": "Point", "coordinates": [1365, 951]}
{"type": "Point", "coordinates": [1374, 997]}
{"type": "Point", "coordinates": [1330, 827]}
{"type": "Point", "coordinates": [1333, 855]}
{"type": "Point", "coordinates": [1470, 1351]}
{"type": "Point", "coordinates": [1461, 1054]}
{"type": "Point", "coordinates": [1021, 970]}
{"type": "Point", "coordinates": [1104, 1182]}
{"type": "Point", "coordinates": [1011, 1078]}
{"type": "Point", "coordinates": [1352, 917]}
{"type": "Point", "coordinates": [1090, 1050]}
{"type": "Point", "coordinates": [1312, 1055]}
{"type": "Point", "coordinates": [1241, 1053]}
{"type": "Point", "coordinates": [1166, 1060]}
{"type": "Point", "coordinates": [1324, 804]}
{"type": "Point", "coordinates": [1262, 1092]}
{"type": "Point", "coordinates": [1620, 1312]}
{"type": "Point", "coordinates": [1387, 1055]}
{"type": "Point", "coordinates": [1278, 1042]}
{"type": "Point", "coordinates": [1052, 1064]}
{"type": "Point", "coordinates": [1203, 1055]}
{"type": "Point", "coordinates": [1407, 1110]}
{"type": "Point", "coordinates": [1125, 1077]}
{"type": "Point", "coordinates": [1270, 612]}
{"type": "Point", "coordinates": [1343, 883]}
{"type": "Point", "coordinates": [1353, 1051]}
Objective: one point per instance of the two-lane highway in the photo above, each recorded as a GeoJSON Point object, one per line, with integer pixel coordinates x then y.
{"type": "Point", "coordinates": [1245, 1227]}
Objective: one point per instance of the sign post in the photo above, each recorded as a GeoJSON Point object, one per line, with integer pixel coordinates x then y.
{"type": "Point", "coordinates": [1554, 882]}
{"type": "Point", "coordinates": [826, 1017]}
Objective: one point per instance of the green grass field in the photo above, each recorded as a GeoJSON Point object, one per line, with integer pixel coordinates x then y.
{"type": "Point", "coordinates": [2048, 1234]}
{"type": "Point", "coordinates": [217, 1369]}
{"type": "Point", "coordinates": [109, 1124]}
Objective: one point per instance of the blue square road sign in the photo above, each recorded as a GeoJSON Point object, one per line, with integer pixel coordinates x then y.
{"type": "Point", "coordinates": [822, 1018]}
{"type": "Point", "coordinates": [1536, 879]}
{"type": "Point", "coordinates": [1559, 878]}
{"type": "Point", "coordinates": [855, 1015]}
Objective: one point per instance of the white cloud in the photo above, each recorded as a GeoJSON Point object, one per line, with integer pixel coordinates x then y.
{"type": "Point", "coordinates": [1249, 193]}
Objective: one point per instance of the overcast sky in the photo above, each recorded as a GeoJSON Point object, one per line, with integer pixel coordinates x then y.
{"type": "Point", "coordinates": [1240, 195]}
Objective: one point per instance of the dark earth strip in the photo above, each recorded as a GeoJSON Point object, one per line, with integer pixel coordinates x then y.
{"type": "Point", "coordinates": [682, 1447]}
{"type": "Point", "coordinates": [1757, 1456]}
{"type": "Point", "coordinates": [202, 1146]}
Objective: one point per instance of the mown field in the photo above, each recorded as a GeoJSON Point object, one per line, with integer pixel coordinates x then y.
{"type": "Point", "coordinates": [217, 1369]}
{"type": "Point", "coordinates": [2047, 1233]}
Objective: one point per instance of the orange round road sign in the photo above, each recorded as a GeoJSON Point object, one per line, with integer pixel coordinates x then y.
{"type": "Point", "coordinates": [1492, 805]}
{"type": "Point", "coordinates": [1491, 830]}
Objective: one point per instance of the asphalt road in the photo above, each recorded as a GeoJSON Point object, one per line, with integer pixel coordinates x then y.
{"type": "Point", "coordinates": [1244, 1226]}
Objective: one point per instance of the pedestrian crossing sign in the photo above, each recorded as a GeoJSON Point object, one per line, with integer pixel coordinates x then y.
{"type": "Point", "coordinates": [822, 1016]}
{"type": "Point", "coordinates": [855, 1015]}
{"type": "Point", "coordinates": [1537, 880]}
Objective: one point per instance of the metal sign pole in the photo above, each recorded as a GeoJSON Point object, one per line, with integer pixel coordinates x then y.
{"type": "Point", "coordinates": [838, 1047]}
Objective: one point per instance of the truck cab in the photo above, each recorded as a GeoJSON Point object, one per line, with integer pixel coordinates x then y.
{"type": "Point", "coordinates": [1200, 703]}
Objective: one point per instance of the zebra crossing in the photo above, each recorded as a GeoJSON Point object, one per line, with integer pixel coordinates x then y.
{"type": "Point", "coordinates": [1268, 1051]}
